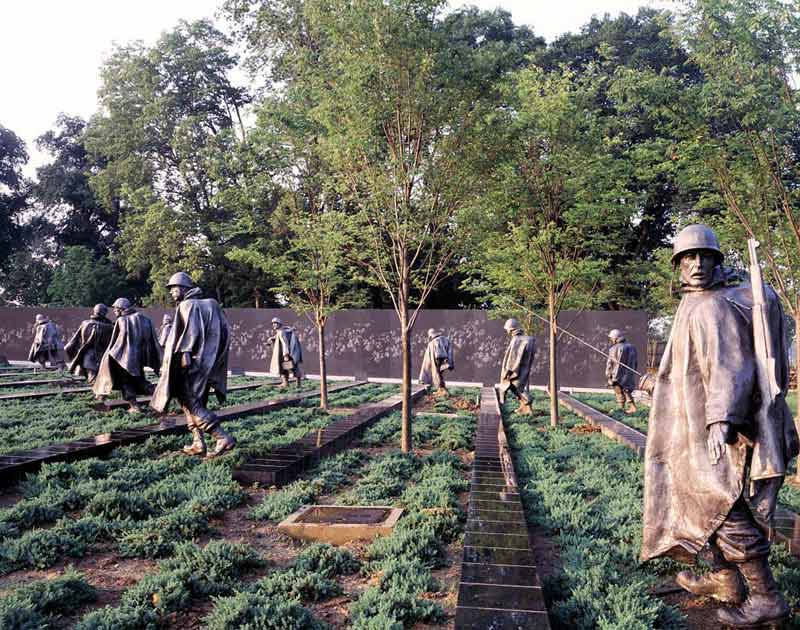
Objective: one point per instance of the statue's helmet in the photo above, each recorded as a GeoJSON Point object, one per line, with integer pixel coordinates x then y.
{"type": "Point", "coordinates": [122, 303]}
{"type": "Point", "coordinates": [511, 324]}
{"type": "Point", "coordinates": [41, 319]}
{"type": "Point", "coordinates": [276, 320]}
{"type": "Point", "coordinates": [180, 279]}
{"type": "Point", "coordinates": [100, 310]}
{"type": "Point", "coordinates": [693, 237]}
{"type": "Point", "coordinates": [431, 333]}
{"type": "Point", "coordinates": [167, 319]}
{"type": "Point", "coordinates": [615, 333]}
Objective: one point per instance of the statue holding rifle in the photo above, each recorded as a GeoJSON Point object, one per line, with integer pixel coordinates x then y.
{"type": "Point", "coordinates": [721, 435]}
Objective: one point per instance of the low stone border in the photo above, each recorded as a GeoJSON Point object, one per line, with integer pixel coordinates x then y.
{"type": "Point", "coordinates": [499, 587]}
{"type": "Point", "coordinates": [284, 464]}
{"type": "Point", "coordinates": [121, 404]}
{"type": "Point", "coordinates": [614, 429]}
{"type": "Point", "coordinates": [16, 464]}
{"type": "Point", "coordinates": [48, 381]}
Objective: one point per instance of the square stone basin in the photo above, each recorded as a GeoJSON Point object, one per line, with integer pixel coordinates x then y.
{"type": "Point", "coordinates": [339, 524]}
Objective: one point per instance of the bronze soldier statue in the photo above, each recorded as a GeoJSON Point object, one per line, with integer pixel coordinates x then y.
{"type": "Point", "coordinates": [133, 347]}
{"type": "Point", "coordinates": [195, 360]}
{"type": "Point", "coordinates": [46, 345]}
{"type": "Point", "coordinates": [517, 362]}
{"type": "Point", "coordinates": [715, 458]}
{"type": "Point", "coordinates": [89, 343]}
{"type": "Point", "coordinates": [622, 360]}
{"type": "Point", "coordinates": [164, 330]}
{"type": "Point", "coordinates": [438, 358]}
{"type": "Point", "coordinates": [287, 353]}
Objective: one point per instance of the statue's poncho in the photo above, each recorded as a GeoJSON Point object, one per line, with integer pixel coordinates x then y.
{"type": "Point", "coordinates": [133, 347]}
{"type": "Point", "coordinates": [163, 334]}
{"type": "Point", "coordinates": [438, 348]}
{"type": "Point", "coordinates": [45, 340]}
{"type": "Point", "coordinates": [199, 328]}
{"type": "Point", "coordinates": [88, 344]}
{"type": "Point", "coordinates": [622, 353]}
{"type": "Point", "coordinates": [286, 342]}
{"type": "Point", "coordinates": [708, 374]}
{"type": "Point", "coordinates": [517, 363]}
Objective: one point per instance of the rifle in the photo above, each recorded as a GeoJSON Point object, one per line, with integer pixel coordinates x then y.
{"type": "Point", "coordinates": [762, 466]}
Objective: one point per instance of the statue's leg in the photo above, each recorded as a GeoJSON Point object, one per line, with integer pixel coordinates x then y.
{"type": "Point", "coordinates": [198, 445]}
{"type": "Point", "coordinates": [744, 544]}
{"type": "Point", "coordinates": [619, 394]}
{"type": "Point", "coordinates": [129, 390]}
{"type": "Point", "coordinates": [721, 583]}
{"type": "Point", "coordinates": [208, 422]}
{"type": "Point", "coordinates": [284, 379]}
{"type": "Point", "coordinates": [630, 404]}
{"type": "Point", "coordinates": [91, 376]}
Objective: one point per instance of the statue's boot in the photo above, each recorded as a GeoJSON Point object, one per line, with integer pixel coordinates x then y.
{"type": "Point", "coordinates": [764, 604]}
{"type": "Point", "coordinates": [224, 443]}
{"type": "Point", "coordinates": [631, 408]}
{"type": "Point", "coordinates": [525, 407]}
{"type": "Point", "coordinates": [284, 381]}
{"type": "Point", "coordinates": [724, 585]}
{"type": "Point", "coordinates": [198, 445]}
{"type": "Point", "coordinates": [299, 384]}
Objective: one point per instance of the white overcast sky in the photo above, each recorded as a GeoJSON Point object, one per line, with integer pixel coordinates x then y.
{"type": "Point", "coordinates": [52, 49]}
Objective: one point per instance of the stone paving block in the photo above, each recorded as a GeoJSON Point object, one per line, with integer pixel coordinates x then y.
{"type": "Point", "coordinates": [469, 618]}
{"type": "Point", "coordinates": [499, 574]}
{"type": "Point", "coordinates": [499, 555]}
{"type": "Point", "coordinates": [514, 597]}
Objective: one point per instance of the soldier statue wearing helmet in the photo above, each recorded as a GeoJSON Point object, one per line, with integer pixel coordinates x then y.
{"type": "Point", "coordinates": [195, 362]}
{"type": "Point", "coordinates": [287, 353]}
{"type": "Point", "coordinates": [705, 491]}
{"type": "Point", "coordinates": [89, 344]}
{"type": "Point", "coordinates": [517, 364]}
{"type": "Point", "coordinates": [438, 358]}
{"type": "Point", "coordinates": [133, 346]}
{"type": "Point", "coordinates": [46, 345]}
{"type": "Point", "coordinates": [620, 374]}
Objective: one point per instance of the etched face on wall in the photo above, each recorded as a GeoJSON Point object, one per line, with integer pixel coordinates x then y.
{"type": "Point", "coordinates": [697, 268]}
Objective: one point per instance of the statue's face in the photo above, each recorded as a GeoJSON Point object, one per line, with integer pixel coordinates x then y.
{"type": "Point", "coordinates": [275, 325]}
{"type": "Point", "coordinates": [177, 293]}
{"type": "Point", "coordinates": [117, 311]}
{"type": "Point", "coordinates": [697, 268]}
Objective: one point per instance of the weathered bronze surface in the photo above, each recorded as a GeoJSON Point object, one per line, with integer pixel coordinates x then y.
{"type": "Point", "coordinates": [705, 435]}
{"type": "Point", "coordinates": [195, 361]}
{"type": "Point", "coordinates": [517, 362]}
{"type": "Point", "coordinates": [287, 353]}
{"type": "Point", "coordinates": [86, 347]}
{"type": "Point", "coordinates": [133, 347]}
{"type": "Point", "coordinates": [622, 360]}
{"type": "Point", "coordinates": [438, 358]}
{"type": "Point", "coordinates": [164, 330]}
{"type": "Point", "coordinates": [46, 345]}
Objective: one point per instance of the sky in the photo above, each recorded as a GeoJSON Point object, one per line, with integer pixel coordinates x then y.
{"type": "Point", "coordinates": [52, 50]}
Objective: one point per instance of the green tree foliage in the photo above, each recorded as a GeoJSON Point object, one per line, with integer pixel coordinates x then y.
{"type": "Point", "coordinates": [393, 89]}
{"type": "Point", "coordinates": [177, 160]}
{"type": "Point", "coordinates": [13, 189]}
{"type": "Point", "coordinates": [82, 280]}
{"type": "Point", "coordinates": [553, 201]}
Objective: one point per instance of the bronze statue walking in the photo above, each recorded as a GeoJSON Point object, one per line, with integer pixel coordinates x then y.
{"type": "Point", "coordinates": [133, 347]}
{"type": "Point", "coordinates": [164, 330]}
{"type": "Point", "coordinates": [287, 353]}
{"type": "Point", "coordinates": [620, 374]}
{"type": "Point", "coordinates": [46, 345]}
{"type": "Point", "coordinates": [517, 363]}
{"type": "Point", "coordinates": [715, 456]}
{"type": "Point", "coordinates": [89, 344]}
{"type": "Point", "coordinates": [438, 358]}
{"type": "Point", "coordinates": [195, 361]}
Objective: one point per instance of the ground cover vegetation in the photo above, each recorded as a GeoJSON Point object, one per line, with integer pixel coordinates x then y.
{"type": "Point", "coordinates": [146, 501]}
{"type": "Point", "coordinates": [585, 491]}
{"type": "Point", "coordinates": [27, 424]}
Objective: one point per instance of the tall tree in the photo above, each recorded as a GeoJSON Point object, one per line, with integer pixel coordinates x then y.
{"type": "Point", "coordinates": [554, 197]}
{"type": "Point", "coordinates": [395, 89]}
{"type": "Point", "coordinates": [177, 160]}
{"type": "Point", "coordinates": [13, 190]}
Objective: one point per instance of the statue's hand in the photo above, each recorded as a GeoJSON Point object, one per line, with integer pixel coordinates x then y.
{"type": "Point", "coordinates": [186, 360]}
{"type": "Point", "coordinates": [718, 434]}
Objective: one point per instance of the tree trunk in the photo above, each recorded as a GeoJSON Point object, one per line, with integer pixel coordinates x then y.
{"type": "Point", "coordinates": [405, 346]}
{"type": "Point", "coordinates": [323, 367]}
{"type": "Point", "coordinates": [551, 307]}
{"type": "Point", "coordinates": [797, 374]}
